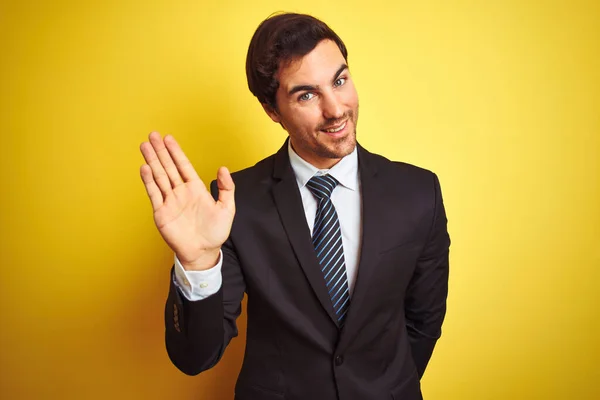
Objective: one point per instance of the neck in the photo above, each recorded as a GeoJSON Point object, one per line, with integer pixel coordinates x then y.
{"type": "Point", "coordinates": [314, 160]}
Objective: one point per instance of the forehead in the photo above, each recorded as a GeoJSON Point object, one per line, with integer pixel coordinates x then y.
{"type": "Point", "coordinates": [315, 68]}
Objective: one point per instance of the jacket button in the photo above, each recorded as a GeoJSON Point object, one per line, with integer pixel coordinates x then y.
{"type": "Point", "coordinates": [339, 360]}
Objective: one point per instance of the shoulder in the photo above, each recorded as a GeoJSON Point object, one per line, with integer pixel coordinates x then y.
{"type": "Point", "coordinates": [250, 180]}
{"type": "Point", "coordinates": [251, 176]}
{"type": "Point", "coordinates": [397, 171]}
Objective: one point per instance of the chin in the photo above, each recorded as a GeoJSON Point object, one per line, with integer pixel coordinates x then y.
{"type": "Point", "coordinates": [341, 147]}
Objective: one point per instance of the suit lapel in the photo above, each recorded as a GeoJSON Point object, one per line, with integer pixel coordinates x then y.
{"type": "Point", "coordinates": [291, 211]}
{"type": "Point", "coordinates": [373, 217]}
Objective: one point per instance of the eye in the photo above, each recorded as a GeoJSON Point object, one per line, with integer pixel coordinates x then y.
{"type": "Point", "coordinates": [339, 82]}
{"type": "Point", "coordinates": [306, 96]}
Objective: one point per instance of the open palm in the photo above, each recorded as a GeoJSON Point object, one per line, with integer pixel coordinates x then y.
{"type": "Point", "coordinates": [191, 222]}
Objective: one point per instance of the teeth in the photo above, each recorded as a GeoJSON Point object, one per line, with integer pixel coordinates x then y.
{"type": "Point", "coordinates": [336, 129]}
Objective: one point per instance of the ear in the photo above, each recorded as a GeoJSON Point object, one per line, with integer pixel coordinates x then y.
{"type": "Point", "coordinates": [271, 112]}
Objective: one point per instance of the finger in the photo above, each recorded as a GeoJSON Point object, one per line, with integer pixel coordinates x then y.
{"type": "Point", "coordinates": [226, 188]}
{"type": "Point", "coordinates": [165, 159]}
{"type": "Point", "coordinates": [184, 166]}
{"type": "Point", "coordinates": [160, 176]}
{"type": "Point", "coordinates": [152, 189]}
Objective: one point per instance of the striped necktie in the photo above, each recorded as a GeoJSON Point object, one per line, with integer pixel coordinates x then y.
{"type": "Point", "coordinates": [327, 239]}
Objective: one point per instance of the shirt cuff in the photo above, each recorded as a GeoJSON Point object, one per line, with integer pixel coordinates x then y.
{"type": "Point", "coordinates": [198, 285]}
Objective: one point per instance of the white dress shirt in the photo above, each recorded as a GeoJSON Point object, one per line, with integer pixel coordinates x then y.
{"type": "Point", "coordinates": [347, 200]}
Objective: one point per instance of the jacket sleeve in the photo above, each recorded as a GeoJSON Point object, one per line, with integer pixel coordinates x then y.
{"type": "Point", "coordinates": [425, 304]}
{"type": "Point", "coordinates": [197, 332]}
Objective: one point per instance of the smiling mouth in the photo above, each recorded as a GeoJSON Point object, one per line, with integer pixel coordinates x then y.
{"type": "Point", "coordinates": [336, 129]}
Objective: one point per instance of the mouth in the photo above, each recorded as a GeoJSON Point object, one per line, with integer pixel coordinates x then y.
{"type": "Point", "coordinates": [336, 130]}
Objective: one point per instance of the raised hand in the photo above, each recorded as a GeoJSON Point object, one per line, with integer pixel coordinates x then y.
{"type": "Point", "coordinates": [192, 223]}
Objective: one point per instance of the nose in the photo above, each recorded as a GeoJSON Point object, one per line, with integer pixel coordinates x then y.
{"type": "Point", "coordinates": [331, 106]}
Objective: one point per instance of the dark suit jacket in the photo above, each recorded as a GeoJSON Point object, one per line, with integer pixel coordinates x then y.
{"type": "Point", "coordinates": [294, 348]}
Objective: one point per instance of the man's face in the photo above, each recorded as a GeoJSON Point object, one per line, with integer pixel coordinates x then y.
{"type": "Point", "coordinates": [318, 105]}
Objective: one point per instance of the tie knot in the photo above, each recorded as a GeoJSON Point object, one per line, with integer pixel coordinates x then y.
{"type": "Point", "coordinates": [321, 186]}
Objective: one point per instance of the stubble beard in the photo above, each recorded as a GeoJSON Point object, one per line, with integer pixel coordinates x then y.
{"type": "Point", "coordinates": [338, 147]}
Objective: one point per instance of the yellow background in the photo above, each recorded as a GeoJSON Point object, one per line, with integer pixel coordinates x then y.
{"type": "Point", "coordinates": [500, 98]}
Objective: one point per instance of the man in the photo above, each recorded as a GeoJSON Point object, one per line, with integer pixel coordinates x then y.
{"type": "Point", "coordinates": [343, 254]}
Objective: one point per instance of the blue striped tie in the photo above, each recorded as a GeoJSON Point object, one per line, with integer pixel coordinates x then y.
{"type": "Point", "coordinates": [327, 239]}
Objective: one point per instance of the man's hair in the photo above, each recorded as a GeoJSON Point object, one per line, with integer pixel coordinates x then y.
{"type": "Point", "coordinates": [280, 39]}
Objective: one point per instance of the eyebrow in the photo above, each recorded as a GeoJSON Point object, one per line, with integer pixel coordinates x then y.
{"type": "Point", "coordinates": [301, 88]}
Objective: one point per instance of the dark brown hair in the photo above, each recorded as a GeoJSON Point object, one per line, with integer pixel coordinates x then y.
{"type": "Point", "coordinates": [279, 39]}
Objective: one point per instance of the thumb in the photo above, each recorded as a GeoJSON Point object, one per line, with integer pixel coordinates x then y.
{"type": "Point", "coordinates": [226, 188]}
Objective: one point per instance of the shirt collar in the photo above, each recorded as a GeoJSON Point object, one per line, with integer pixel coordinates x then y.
{"type": "Point", "coordinates": [345, 171]}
